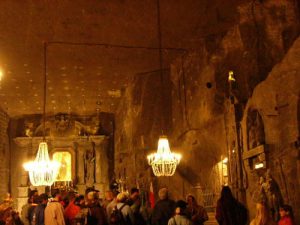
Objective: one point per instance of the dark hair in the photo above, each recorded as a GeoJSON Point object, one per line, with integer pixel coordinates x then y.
{"type": "Point", "coordinates": [32, 193]}
{"type": "Point", "coordinates": [35, 199]}
{"type": "Point", "coordinates": [226, 194]}
{"type": "Point", "coordinates": [78, 199]}
{"type": "Point", "coordinates": [191, 196]}
{"type": "Point", "coordinates": [181, 204]}
{"type": "Point", "coordinates": [289, 209]}
{"type": "Point", "coordinates": [134, 190]}
{"type": "Point", "coordinates": [55, 194]}
{"type": "Point", "coordinates": [43, 196]}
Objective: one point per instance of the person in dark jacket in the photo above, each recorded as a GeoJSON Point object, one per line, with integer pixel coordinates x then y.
{"type": "Point", "coordinates": [40, 209]}
{"type": "Point", "coordinates": [230, 211]}
{"type": "Point", "coordinates": [96, 214]}
{"type": "Point", "coordinates": [163, 209]}
{"type": "Point", "coordinates": [31, 209]}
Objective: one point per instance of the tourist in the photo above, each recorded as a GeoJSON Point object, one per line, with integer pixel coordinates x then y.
{"type": "Point", "coordinates": [96, 214]}
{"type": "Point", "coordinates": [286, 215]}
{"type": "Point", "coordinates": [195, 212]}
{"type": "Point", "coordinates": [40, 210]}
{"type": "Point", "coordinates": [180, 217]}
{"type": "Point", "coordinates": [262, 216]}
{"type": "Point", "coordinates": [54, 212]}
{"type": "Point", "coordinates": [72, 209]}
{"type": "Point", "coordinates": [229, 211]}
{"type": "Point", "coordinates": [124, 208]}
{"type": "Point", "coordinates": [163, 209]}
{"type": "Point", "coordinates": [111, 205]}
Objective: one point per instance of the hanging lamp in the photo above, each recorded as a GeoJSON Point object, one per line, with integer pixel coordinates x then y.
{"type": "Point", "coordinates": [42, 171]}
{"type": "Point", "coordinates": [163, 162]}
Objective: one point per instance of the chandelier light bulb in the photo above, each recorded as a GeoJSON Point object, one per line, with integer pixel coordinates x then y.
{"type": "Point", "coordinates": [163, 162]}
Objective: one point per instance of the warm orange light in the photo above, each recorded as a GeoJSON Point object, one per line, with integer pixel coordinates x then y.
{"type": "Point", "coordinates": [42, 171]}
{"type": "Point", "coordinates": [231, 77]}
{"type": "Point", "coordinates": [1, 74]}
{"type": "Point", "coordinates": [163, 162]}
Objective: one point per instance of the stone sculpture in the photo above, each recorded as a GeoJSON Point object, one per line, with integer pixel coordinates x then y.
{"type": "Point", "coordinates": [273, 195]}
{"type": "Point", "coordinates": [90, 167]}
{"type": "Point", "coordinates": [255, 129]}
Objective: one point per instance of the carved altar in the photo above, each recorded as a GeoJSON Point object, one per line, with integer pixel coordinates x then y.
{"type": "Point", "coordinates": [82, 155]}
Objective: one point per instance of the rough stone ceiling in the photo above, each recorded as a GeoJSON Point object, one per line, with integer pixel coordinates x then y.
{"type": "Point", "coordinates": [84, 78]}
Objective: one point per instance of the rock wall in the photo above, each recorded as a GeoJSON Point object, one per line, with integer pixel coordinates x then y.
{"type": "Point", "coordinates": [277, 101]}
{"type": "Point", "coordinates": [207, 116]}
{"type": "Point", "coordinates": [4, 154]}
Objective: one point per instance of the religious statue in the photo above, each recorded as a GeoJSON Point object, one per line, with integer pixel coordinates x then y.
{"type": "Point", "coordinates": [256, 134]}
{"type": "Point", "coordinates": [62, 124]}
{"type": "Point", "coordinates": [89, 167]}
{"type": "Point", "coordinates": [62, 174]}
{"type": "Point", "coordinates": [28, 129]}
{"type": "Point", "coordinates": [259, 195]}
{"type": "Point", "coordinates": [273, 195]}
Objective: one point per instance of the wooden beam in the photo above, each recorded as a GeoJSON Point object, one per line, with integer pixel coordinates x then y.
{"type": "Point", "coordinates": [254, 152]}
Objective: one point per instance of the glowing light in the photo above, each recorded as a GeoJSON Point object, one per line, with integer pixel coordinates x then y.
{"type": "Point", "coordinates": [42, 171]}
{"type": "Point", "coordinates": [164, 162]}
{"type": "Point", "coordinates": [1, 74]}
{"type": "Point", "coordinates": [231, 77]}
{"type": "Point", "coordinates": [225, 160]}
{"type": "Point", "coordinates": [259, 165]}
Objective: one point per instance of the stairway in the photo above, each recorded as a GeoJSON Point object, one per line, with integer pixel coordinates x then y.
{"type": "Point", "coordinates": [211, 220]}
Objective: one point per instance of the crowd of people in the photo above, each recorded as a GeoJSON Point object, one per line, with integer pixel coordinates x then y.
{"type": "Point", "coordinates": [129, 209]}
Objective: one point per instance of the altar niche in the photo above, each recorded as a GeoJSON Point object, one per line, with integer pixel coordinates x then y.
{"type": "Point", "coordinates": [64, 157]}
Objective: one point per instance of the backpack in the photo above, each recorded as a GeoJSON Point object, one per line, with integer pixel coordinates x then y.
{"type": "Point", "coordinates": [116, 217]}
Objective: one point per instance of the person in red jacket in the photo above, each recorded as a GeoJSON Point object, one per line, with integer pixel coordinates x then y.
{"type": "Point", "coordinates": [286, 215]}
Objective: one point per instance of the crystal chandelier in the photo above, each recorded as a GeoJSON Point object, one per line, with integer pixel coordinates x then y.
{"type": "Point", "coordinates": [164, 162]}
{"type": "Point", "coordinates": [42, 171]}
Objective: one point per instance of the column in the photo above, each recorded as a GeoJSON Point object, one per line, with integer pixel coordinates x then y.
{"type": "Point", "coordinates": [22, 153]}
{"type": "Point", "coordinates": [101, 172]}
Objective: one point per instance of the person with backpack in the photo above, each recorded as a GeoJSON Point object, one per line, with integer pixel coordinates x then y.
{"type": "Point", "coordinates": [122, 213]}
{"type": "Point", "coordinates": [134, 201]}
{"type": "Point", "coordinates": [180, 217]}
{"type": "Point", "coordinates": [110, 207]}
{"type": "Point", "coordinates": [230, 211]}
